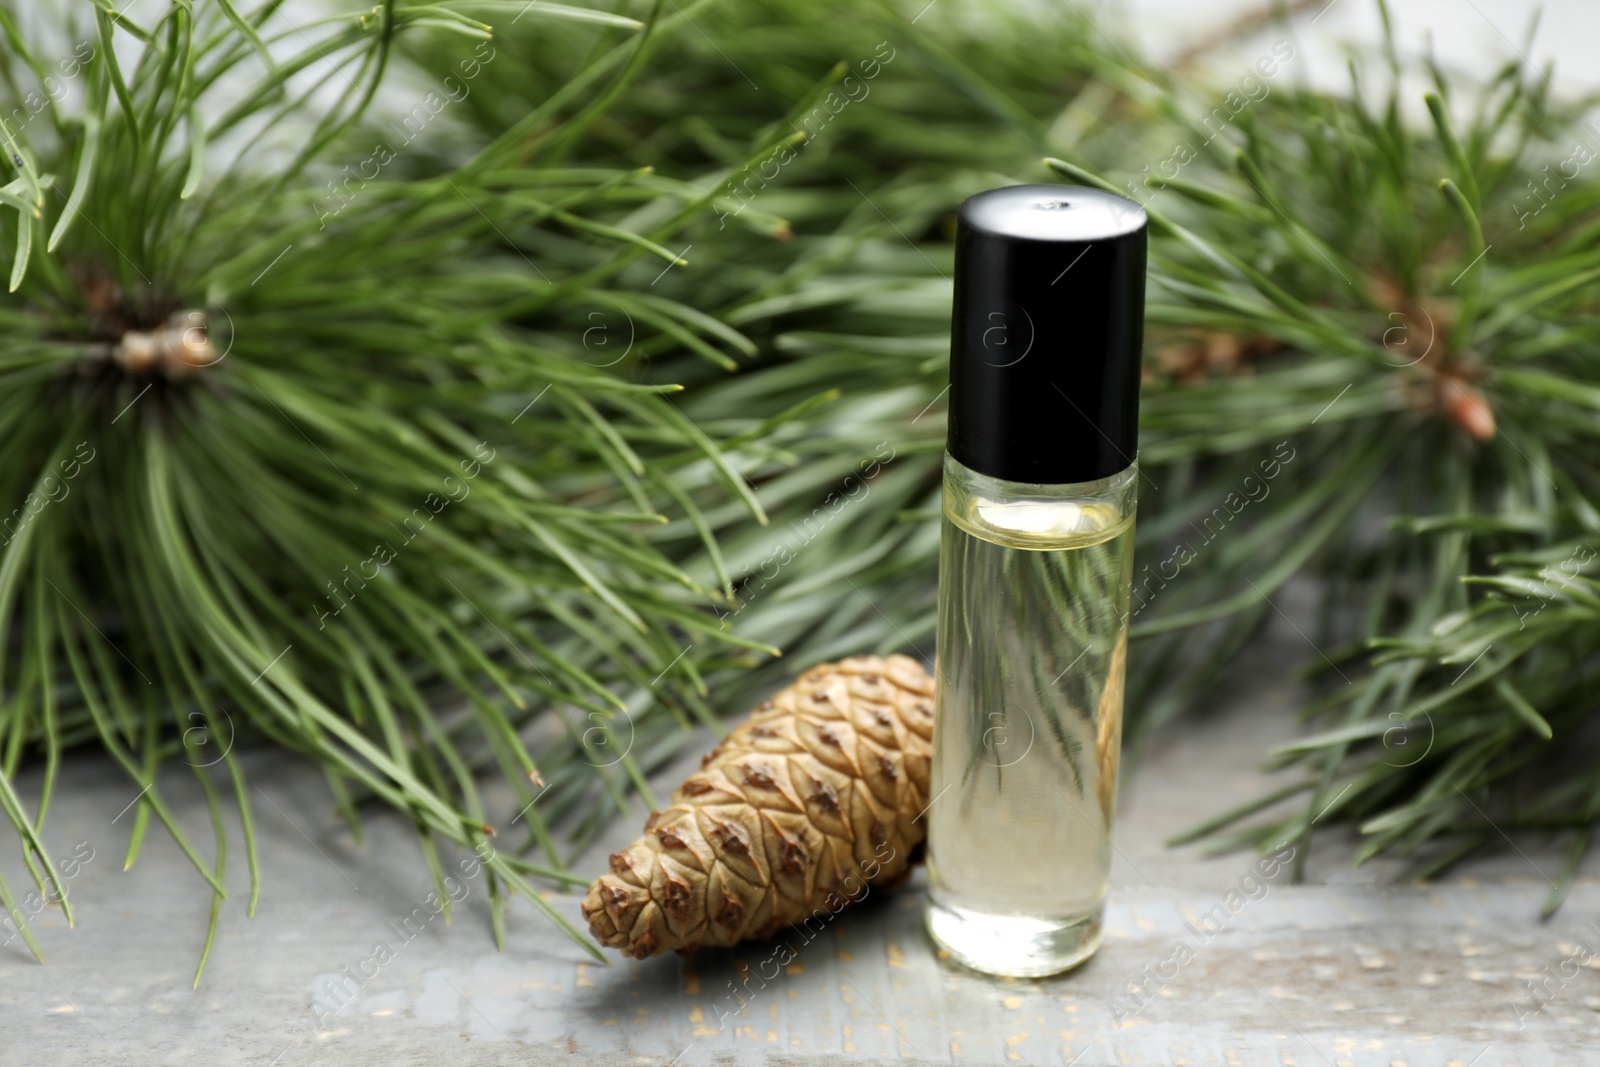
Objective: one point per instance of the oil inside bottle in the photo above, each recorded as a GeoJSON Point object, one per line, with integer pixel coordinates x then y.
{"type": "Point", "coordinates": [1033, 624]}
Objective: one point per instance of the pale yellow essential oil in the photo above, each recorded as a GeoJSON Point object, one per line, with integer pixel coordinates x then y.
{"type": "Point", "coordinates": [1033, 630]}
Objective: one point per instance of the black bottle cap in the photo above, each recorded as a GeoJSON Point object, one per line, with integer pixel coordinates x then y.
{"type": "Point", "coordinates": [1047, 333]}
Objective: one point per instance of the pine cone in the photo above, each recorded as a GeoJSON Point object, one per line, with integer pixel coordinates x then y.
{"type": "Point", "coordinates": [809, 802]}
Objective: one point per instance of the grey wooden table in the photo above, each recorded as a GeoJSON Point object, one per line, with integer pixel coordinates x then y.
{"type": "Point", "coordinates": [1351, 968]}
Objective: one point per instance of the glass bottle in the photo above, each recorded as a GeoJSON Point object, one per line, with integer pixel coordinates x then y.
{"type": "Point", "coordinates": [1035, 569]}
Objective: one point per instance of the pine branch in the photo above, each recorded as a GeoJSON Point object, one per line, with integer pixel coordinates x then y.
{"type": "Point", "coordinates": [325, 455]}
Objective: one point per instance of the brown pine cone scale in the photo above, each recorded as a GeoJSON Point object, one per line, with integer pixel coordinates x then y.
{"type": "Point", "coordinates": [808, 804]}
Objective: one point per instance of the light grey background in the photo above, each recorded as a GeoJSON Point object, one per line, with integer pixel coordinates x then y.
{"type": "Point", "coordinates": [1470, 35]}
